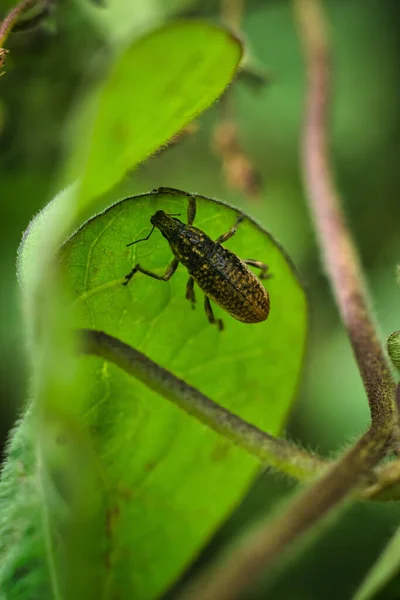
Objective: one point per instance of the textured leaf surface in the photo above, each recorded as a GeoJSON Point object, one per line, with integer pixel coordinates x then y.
{"type": "Point", "coordinates": [170, 480]}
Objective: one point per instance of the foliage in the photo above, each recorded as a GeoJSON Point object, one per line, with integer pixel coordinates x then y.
{"type": "Point", "coordinates": [107, 487]}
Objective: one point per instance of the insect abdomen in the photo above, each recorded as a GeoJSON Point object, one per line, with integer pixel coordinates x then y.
{"type": "Point", "coordinates": [228, 281]}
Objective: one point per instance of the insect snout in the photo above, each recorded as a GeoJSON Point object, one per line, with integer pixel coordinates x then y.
{"type": "Point", "coordinates": [156, 217]}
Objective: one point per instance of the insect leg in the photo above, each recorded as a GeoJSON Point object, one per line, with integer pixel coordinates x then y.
{"type": "Point", "coordinates": [210, 314]}
{"type": "Point", "coordinates": [191, 211]}
{"type": "Point", "coordinates": [190, 295]}
{"type": "Point", "coordinates": [226, 236]}
{"type": "Point", "coordinates": [169, 271]}
{"type": "Point", "coordinates": [259, 265]}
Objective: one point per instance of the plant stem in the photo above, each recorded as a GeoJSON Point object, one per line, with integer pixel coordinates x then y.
{"type": "Point", "coordinates": [232, 576]}
{"type": "Point", "coordinates": [339, 254]}
{"type": "Point", "coordinates": [7, 25]}
{"type": "Point", "coordinates": [232, 13]}
{"type": "Point", "coordinates": [11, 19]}
{"type": "Point", "coordinates": [387, 485]}
{"type": "Point", "coordinates": [271, 451]}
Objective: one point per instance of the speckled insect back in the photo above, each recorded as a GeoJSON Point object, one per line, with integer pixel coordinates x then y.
{"type": "Point", "coordinates": [219, 273]}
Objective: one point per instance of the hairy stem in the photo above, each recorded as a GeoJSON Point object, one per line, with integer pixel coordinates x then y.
{"type": "Point", "coordinates": [271, 451]}
{"type": "Point", "coordinates": [229, 579]}
{"type": "Point", "coordinates": [339, 254]}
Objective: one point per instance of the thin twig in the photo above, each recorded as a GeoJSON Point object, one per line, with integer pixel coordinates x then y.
{"type": "Point", "coordinates": [238, 169]}
{"type": "Point", "coordinates": [8, 23]}
{"type": "Point", "coordinates": [271, 451]}
{"type": "Point", "coordinates": [232, 13]}
{"type": "Point", "coordinates": [339, 255]}
{"type": "Point", "coordinates": [11, 19]}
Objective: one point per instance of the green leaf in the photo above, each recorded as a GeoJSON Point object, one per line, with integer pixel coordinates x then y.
{"type": "Point", "coordinates": [384, 570]}
{"type": "Point", "coordinates": [157, 86]}
{"type": "Point", "coordinates": [170, 481]}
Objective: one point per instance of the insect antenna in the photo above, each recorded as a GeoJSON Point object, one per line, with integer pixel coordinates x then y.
{"type": "Point", "coordinates": [143, 239]}
{"type": "Point", "coordinates": [147, 237]}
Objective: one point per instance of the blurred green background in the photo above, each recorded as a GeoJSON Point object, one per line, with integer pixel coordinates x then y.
{"type": "Point", "coordinates": [46, 71]}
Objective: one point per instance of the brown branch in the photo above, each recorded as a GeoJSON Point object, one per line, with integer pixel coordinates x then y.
{"type": "Point", "coordinates": [7, 25]}
{"type": "Point", "coordinates": [340, 257]}
{"type": "Point", "coordinates": [11, 19]}
{"type": "Point", "coordinates": [238, 169]}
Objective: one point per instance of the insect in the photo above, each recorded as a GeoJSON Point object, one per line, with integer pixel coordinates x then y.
{"type": "Point", "coordinates": [219, 273]}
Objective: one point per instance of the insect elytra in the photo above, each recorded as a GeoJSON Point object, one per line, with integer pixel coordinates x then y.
{"type": "Point", "coordinates": [218, 272]}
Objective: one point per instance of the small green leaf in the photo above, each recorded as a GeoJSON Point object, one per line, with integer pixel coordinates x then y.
{"type": "Point", "coordinates": [158, 85]}
{"type": "Point", "coordinates": [384, 570]}
{"type": "Point", "coordinates": [170, 481]}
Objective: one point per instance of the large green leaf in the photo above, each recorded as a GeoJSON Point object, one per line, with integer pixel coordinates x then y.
{"type": "Point", "coordinates": [168, 480]}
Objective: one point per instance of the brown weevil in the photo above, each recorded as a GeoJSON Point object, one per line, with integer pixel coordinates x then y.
{"type": "Point", "coordinates": [219, 273]}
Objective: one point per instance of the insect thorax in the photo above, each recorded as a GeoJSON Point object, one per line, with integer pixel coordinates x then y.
{"type": "Point", "coordinates": [191, 246]}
